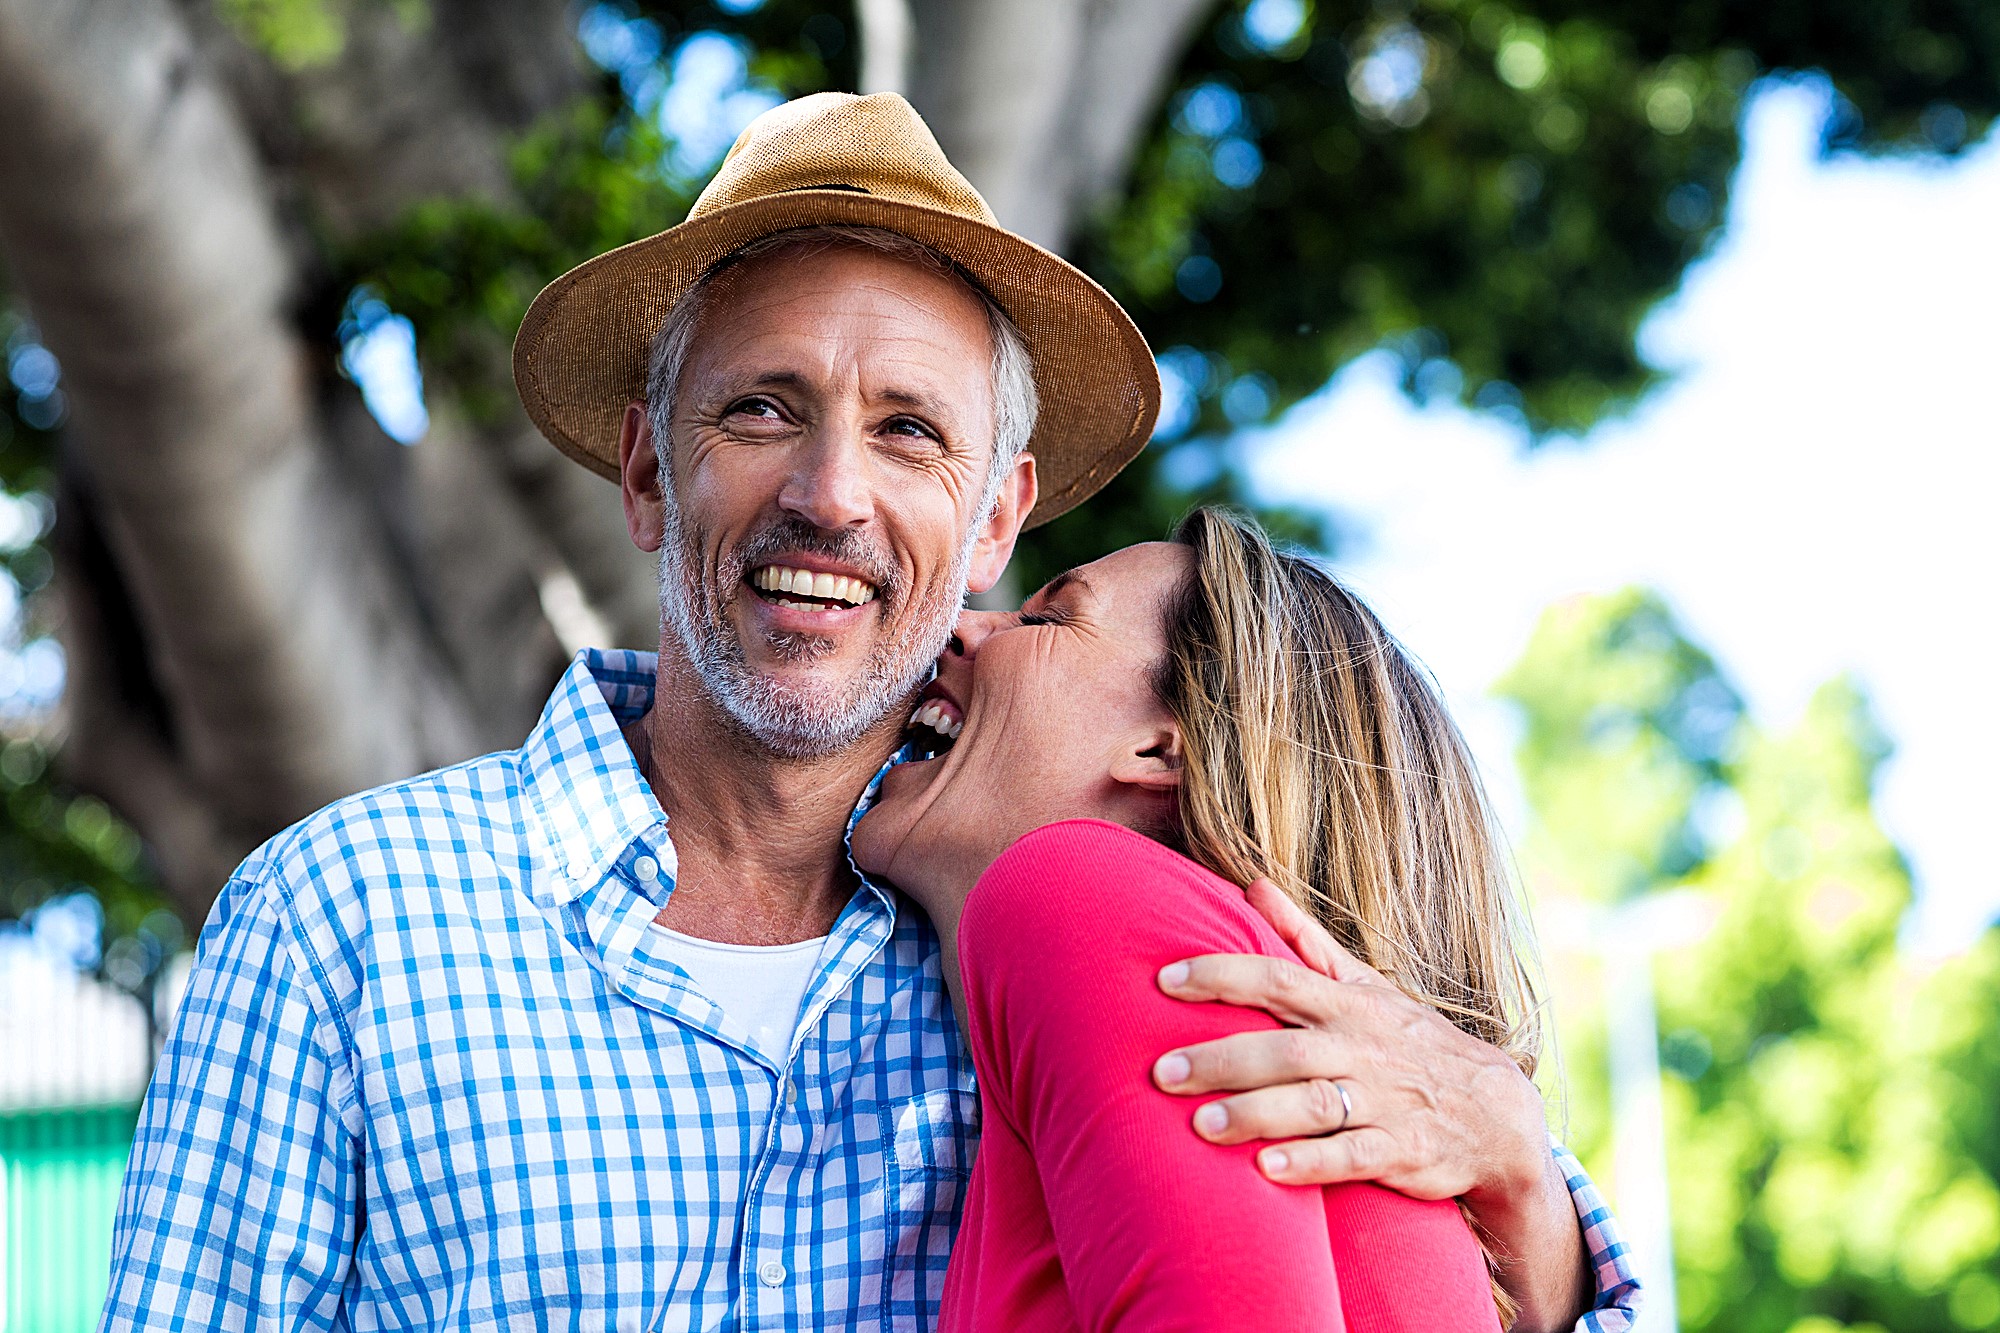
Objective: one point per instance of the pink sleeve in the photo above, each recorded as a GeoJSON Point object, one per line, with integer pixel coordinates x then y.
{"type": "Point", "coordinates": [1156, 1229]}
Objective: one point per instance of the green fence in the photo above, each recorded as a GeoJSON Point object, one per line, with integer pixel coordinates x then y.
{"type": "Point", "coordinates": [59, 1175]}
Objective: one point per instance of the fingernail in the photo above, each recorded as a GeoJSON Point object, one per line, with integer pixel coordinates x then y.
{"type": "Point", "coordinates": [1173, 1069]}
{"type": "Point", "coordinates": [1174, 975]}
{"type": "Point", "coordinates": [1211, 1119]}
{"type": "Point", "coordinates": [1273, 1160]}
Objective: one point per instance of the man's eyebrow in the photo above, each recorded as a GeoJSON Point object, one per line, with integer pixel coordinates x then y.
{"type": "Point", "coordinates": [915, 400]}
{"type": "Point", "coordinates": [772, 379]}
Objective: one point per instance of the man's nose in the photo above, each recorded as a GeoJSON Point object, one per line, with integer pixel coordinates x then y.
{"type": "Point", "coordinates": [829, 486]}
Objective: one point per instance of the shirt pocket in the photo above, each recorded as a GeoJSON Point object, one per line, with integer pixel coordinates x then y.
{"type": "Point", "coordinates": [927, 1152]}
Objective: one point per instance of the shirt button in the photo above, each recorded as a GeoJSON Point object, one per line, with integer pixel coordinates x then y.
{"type": "Point", "coordinates": [646, 868]}
{"type": "Point", "coordinates": [792, 1093]}
{"type": "Point", "coordinates": [772, 1273]}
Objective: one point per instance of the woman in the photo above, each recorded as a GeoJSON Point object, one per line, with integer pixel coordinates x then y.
{"type": "Point", "coordinates": [1147, 733]}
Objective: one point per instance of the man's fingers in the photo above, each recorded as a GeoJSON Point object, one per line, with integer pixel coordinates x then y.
{"type": "Point", "coordinates": [1316, 948]}
{"type": "Point", "coordinates": [1246, 1060]}
{"type": "Point", "coordinates": [1294, 927]}
{"type": "Point", "coordinates": [1288, 1111]}
{"type": "Point", "coordinates": [1282, 988]}
{"type": "Point", "coordinates": [1367, 1153]}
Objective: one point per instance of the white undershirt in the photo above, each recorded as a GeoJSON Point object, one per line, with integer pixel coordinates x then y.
{"type": "Point", "coordinates": [758, 985]}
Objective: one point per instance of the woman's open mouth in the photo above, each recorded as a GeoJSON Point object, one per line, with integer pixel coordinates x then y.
{"type": "Point", "coordinates": [934, 726]}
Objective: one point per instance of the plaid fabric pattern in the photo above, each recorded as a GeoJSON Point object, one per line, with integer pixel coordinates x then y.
{"type": "Point", "coordinates": [1618, 1294]}
{"type": "Point", "coordinates": [434, 1070]}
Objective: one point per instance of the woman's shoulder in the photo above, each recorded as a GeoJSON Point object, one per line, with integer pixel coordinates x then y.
{"type": "Point", "coordinates": [1081, 871]}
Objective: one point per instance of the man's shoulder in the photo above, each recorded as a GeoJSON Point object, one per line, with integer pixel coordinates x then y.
{"type": "Point", "coordinates": [413, 824]}
{"type": "Point", "coordinates": [395, 857]}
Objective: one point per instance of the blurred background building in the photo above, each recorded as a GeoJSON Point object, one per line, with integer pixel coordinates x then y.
{"type": "Point", "coordinates": [1635, 360]}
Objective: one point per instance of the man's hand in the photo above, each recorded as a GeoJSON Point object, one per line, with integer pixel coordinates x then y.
{"type": "Point", "coordinates": [1436, 1113]}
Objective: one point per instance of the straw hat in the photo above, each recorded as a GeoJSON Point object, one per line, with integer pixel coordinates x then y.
{"type": "Point", "coordinates": [870, 161]}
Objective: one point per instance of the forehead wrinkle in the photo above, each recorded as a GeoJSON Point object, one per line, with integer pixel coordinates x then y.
{"type": "Point", "coordinates": [761, 286]}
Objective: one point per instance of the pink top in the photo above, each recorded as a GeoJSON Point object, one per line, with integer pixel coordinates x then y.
{"type": "Point", "coordinates": [1093, 1204]}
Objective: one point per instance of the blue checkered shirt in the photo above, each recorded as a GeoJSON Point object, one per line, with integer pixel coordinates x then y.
{"type": "Point", "coordinates": [435, 1069]}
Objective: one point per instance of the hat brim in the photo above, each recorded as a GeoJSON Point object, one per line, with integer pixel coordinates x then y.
{"type": "Point", "coordinates": [580, 356]}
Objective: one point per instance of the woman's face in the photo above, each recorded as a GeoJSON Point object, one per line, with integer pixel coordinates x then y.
{"type": "Point", "coordinates": [1054, 717]}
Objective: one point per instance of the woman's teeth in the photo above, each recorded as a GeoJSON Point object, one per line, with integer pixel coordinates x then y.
{"type": "Point", "coordinates": [938, 718]}
{"type": "Point", "coordinates": [806, 583]}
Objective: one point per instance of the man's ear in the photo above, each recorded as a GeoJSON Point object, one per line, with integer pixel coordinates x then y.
{"type": "Point", "coordinates": [639, 479]}
{"type": "Point", "coordinates": [1000, 529]}
{"type": "Point", "coordinates": [1151, 760]}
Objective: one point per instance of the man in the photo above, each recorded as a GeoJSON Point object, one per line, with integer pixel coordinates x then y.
{"type": "Point", "coordinates": [491, 1047]}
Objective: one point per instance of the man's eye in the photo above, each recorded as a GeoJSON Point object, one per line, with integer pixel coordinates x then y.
{"type": "Point", "coordinates": [1052, 615]}
{"type": "Point", "coordinates": [908, 426]}
{"type": "Point", "coordinates": [754, 407]}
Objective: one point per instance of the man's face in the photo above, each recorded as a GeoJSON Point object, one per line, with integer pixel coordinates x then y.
{"type": "Point", "coordinates": [832, 434]}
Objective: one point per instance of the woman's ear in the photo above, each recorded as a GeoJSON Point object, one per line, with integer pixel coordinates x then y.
{"type": "Point", "coordinates": [1151, 760]}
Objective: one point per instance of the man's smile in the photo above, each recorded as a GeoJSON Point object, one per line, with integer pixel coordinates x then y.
{"type": "Point", "coordinates": [810, 590]}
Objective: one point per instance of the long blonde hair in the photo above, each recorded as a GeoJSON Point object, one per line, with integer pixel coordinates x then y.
{"type": "Point", "coordinates": [1318, 754]}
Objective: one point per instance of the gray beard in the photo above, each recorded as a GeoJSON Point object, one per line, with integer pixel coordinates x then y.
{"type": "Point", "coordinates": [811, 720]}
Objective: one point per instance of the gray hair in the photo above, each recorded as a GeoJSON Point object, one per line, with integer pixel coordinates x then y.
{"type": "Point", "coordinates": [1013, 379]}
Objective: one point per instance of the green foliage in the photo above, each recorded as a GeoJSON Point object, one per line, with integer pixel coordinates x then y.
{"type": "Point", "coordinates": [1499, 190]}
{"type": "Point", "coordinates": [300, 34]}
{"type": "Point", "coordinates": [297, 34]}
{"type": "Point", "coordinates": [1627, 728]}
{"type": "Point", "coordinates": [1833, 1138]}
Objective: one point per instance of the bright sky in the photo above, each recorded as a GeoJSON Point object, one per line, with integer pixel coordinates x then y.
{"type": "Point", "coordinates": [1813, 492]}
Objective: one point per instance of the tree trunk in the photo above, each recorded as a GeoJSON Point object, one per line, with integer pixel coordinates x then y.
{"type": "Point", "coordinates": [1042, 103]}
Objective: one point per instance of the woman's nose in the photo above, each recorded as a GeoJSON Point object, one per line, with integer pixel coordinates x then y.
{"type": "Point", "coordinates": [973, 629]}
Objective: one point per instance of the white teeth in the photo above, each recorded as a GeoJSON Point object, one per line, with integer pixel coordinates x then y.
{"type": "Point", "coordinates": [932, 714]}
{"type": "Point", "coordinates": [833, 587]}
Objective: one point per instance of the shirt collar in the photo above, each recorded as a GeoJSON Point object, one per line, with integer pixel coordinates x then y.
{"type": "Point", "coordinates": [579, 774]}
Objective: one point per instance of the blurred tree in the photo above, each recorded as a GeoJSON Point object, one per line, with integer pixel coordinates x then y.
{"type": "Point", "coordinates": [1830, 1103]}
{"type": "Point", "coordinates": [215, 211]}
